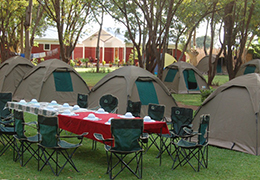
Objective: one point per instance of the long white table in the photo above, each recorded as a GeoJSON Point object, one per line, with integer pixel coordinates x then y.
{"type": "Point", "coordinates": [43, 108]}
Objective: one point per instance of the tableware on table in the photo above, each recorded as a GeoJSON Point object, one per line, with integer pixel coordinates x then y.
{"type": "Point", "coordinates": [148, 119]}
{"type": "Point", "coordinates": [22, 101]}
{"type": "Point", "coordinates": [53, 103]}
{"type": "Point", "coordinates": [76, 107]}
{"type": "Point", "coordinates": [33, 101]}
{"type": "Point", "coordinates": [66, 105]}
{"type": "Point", "coordinates": [67, 112]}
{"type": "Point", "coordinates": [50, 108]}
{"type": "Point", "coordinates": [91, 117]}
{"type": "Point", "coordinates": [109, 121]}
{"type": "Point", "coordinates": [127, 115]}
{"type": "Point", "coordinates": [101, 111]}
{"type": "Point", "coordinates": [36, 105]}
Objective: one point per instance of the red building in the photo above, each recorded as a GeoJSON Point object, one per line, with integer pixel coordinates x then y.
{"type": "Point", "coordinates": [112, 48]}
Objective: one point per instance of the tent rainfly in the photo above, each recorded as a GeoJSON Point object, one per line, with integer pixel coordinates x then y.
{"type": "Point", "coordinates": [12, 71]}
{"type": "Point", "coordinates": [234, 114]}
{"type": "Point", "coordinates": [51, 80]}
{"type": "Point", "coordinates": [135, 84]}
{"type": "Point", "coordinates": [252, 66]}
{"type": "Point", "coordinates": [182, 77]}
{"type": "Point", "coordinates": [203, 65]}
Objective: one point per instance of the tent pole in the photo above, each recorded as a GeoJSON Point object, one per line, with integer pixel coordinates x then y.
{"type": "Point", "coordinates": [256, 134]}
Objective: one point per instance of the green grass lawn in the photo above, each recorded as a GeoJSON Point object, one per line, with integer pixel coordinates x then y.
{"type": "Point", "coordinates": [92, 78]}
{"type": "Point", "coordinates": [223, 163]}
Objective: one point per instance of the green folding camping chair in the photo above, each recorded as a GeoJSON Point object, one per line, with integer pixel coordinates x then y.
{"type": "Point", "coordinates": [125, 136]}
{"type": "Point", "coordinates": [51, 145]}
{"type": "Point", "coordinates": [180, 117]}
{"type": "Point", "coordinates": [82, 100]}
{"type": "Point", "coordinates": [5, 113]}
{"type": "Point", "coordinates": [26, 143]}
{"type": "Point", "coordinates": [6, 138]}
{"type": "Point", "coordinates": [156, 112]}
{"type": "Point", "coordinates": [134, 108]}
{"type": "Point", "coordinates": [109, 103]}
{"type": "Point", "coordinates": [186, 151]}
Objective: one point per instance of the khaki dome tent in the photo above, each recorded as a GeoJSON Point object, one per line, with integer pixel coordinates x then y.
{"type": "Point", "coordinates": [252, 66]}
{"type": "Point", "coordinates": [135, 84]}
{"type": "Point", "coordinates": [234, 114]}
{"type": "Point", "coordinates": [51, 80]}
{"type": "Point", "coordinates": [11, 73]}
{"type": "Point", "coordinates": [203, 65]}
{"type": "Point", "coordinates": [182, 77]}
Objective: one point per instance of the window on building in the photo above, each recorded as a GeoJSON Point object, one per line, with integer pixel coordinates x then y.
{"type": "Point", "coordinates": [47, 47]}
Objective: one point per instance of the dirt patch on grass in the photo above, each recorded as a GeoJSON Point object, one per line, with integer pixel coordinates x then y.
{"type": "Point", "coordinates": [187, 106]}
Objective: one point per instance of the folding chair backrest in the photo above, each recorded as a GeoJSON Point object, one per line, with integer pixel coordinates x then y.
{"type": "Point", "coordinates": [19, 124]}
{"type": "Point", "coordinates": [108, 103]}
{"type": "Point", "coordinates": [4, 98]}
{"type": "Point", "coordinates": [48, 128]}
{"type": "Point", "coordinates": [203, 129]}
{"type": "Point", "coordinates": [156, 111]}
{"type": "Point", "coordinates": [134, 108]}
{"type": "Point", "coordinates": [181, 116]}
{"type": "Point", "coordinates": [126, 133]}
{"type": "Point", "coordinates": [82, 100]}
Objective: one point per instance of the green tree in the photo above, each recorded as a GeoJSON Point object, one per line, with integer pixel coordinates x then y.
{"type": "Point", "coordinates": [239, 24]}
{"type": "Point", "coordinates": [69, 18]}
{"type": "Point", "coordinates": [147, 23]}
{"type": "Point", "coordinates": [12, 13]}
{"type": "Point", "coordinates": [200, 42]}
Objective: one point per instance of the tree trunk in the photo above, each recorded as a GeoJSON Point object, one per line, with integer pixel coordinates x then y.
{"type": "Point", "coordinates": [228, 30]}
{"type": "Point", "coordinates": [212, 71]}
{"type": "Point", "coordinates": [205, 39]}
{"type": "Point", "coordinates": [21, 37]}
{"type": "Point", "coordinates": [27, 24]}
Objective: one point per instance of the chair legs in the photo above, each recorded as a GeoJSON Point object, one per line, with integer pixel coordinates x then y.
{"type": "Point", "coordinates": [7, 140]}
{"type": "Point", "coordinates": [167, 146]}
{"type": "Point", "coordinates": [23, 147]}
{"type": "Point", "coordinates": [185, 156]}
{"type": "Point", "coordinates": [124, 162]}
{"type": "Point", "coordinates": [50, 157]}
{"type": "Point", "coordinates": [153, 139]}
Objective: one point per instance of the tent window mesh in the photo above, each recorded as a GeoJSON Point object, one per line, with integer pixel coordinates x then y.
{"type": "Point", "coordinates": [190, 79]}
{"type": "Point", "coordinates": [249, 69]}
{"type": "Point", "coordinates": [63, 81]}
{"type": "Point", "coordinates": [170, 75]}
{"type": "Point", "coordinates": [147, 92]}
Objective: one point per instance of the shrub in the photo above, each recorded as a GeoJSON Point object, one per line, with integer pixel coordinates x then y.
{"type": "Point", "coordinates": [205, 93]}
{"type": "Point", "coordinates": [72, 63]}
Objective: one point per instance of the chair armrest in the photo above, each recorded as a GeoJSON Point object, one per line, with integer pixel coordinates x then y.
{"type": "Point", "coordinates": [190, 132]}
{"type": "Point", "coordinates": [10, 116]}
{"type": "Point", "coordinates": [74, 136]}
{"type": "Point", "coordinates": [6, 121]}
{"type": "Point", "coordinates": [173, 135]}
{"type": "Point", "coordinates": [101, 138]}
{"type": "Point", "coordinates": [32, 124]}
{"type": "Point", "coordinates": [187, 126]}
